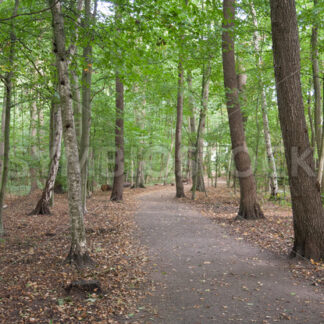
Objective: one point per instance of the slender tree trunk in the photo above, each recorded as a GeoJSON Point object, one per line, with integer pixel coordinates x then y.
{"type": "Point", "coordinates": [140, 116]}
{"type": "Point", "coordinates": [33, 154]}
{"type": "Point", "coordinates": [307, 207]}
{"type": "Point", "coordinates": [317, 86]}
{"type": "Point", "coordinates": [177, 155]}
{"type": "Point", "coordinates": [78, 252]}
{"type": "Point", "coordinates": [249, 208]}
{"type": "Point", "coordinates": [310, 118]}
{"type": "Point", "coordinates": [86, 107]}
{"type": "Point", "coordinates": [192, 124]}
{"type": "Point", "coordinates": [118, 186]}
{"type": "Point", "coordinates": [200, 142]}
{"type": "Point", "coordinates": [266, 129]}
{"type": "Point", "coordinates": [257, 141]}
{"type": "Point", "coordinates": [139, 183]}
{"type": "Point", "coordinates": [3, 123]}
{"type": "Point", "coordinates": [166, 171]}
{"type": "Point", "coordinates": [42, 207]}
{"type": "Point", "coordinates": [77, 105]}
{"type": "Point", "coordinates": [8, 97]}
{"type": "Point", "coordinates": [198, 180]}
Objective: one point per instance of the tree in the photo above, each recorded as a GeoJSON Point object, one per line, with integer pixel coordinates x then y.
{"type": "Point", "coordinates": [317, 86]}
{"type": "Point", "coordinates": [8, 96]}
{"type": "Point", "coordinates": [177, 153]}
{"type": "Point", "coordinates": [118, 185]}
{"type": "Point", "coordinates": [33, 155]}
{"type": "Point", "coordinates": [42, 207]}
{"type": "Point", "coordinates": [86, 102]}
{"type": "Point", "coordinates": [198, 174]}
{"type": "Point", "coordinates": [78, 252]}
{"type": "Point", "coordinates": [249, 207]}
{"type": "Point", "coordinates": [266, 129]}
{"type": "Point", "coordinates": [308, 214]}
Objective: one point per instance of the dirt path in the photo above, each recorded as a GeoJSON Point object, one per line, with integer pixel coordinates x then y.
{"type": "Point", "coordinates": [202, 275]}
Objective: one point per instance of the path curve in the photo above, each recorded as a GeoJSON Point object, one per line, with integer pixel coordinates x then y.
{"type": "Point", "coordinates": [203, 275]}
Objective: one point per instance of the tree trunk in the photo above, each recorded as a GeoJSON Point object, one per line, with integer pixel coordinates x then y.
{"type": "Point", "coordinates": [33, 154]}
{"type": "Point", "coordinates": [139, 183]}
{"type": "Point", "coordinates": [86, 107]}
{"type": "Point", "coordinates": [198, 176]}
{"type": "Point", "coordinates": [118, 186]}
{"type": "Point", "coordinates": [78, 252]}
{"type": "Point", "coordinates": [307, 207]}
{"type": "Point", "coordinates": [200, 142]}
{"type": "Point", "coordinates": [177, 155]}
{"type": "Point", "coordinates": [266, 129]}
{"type": "Point", "coordinates": [166, 171]}
{"type": "Point", "coordinates": [42, 207]}
{"type": "Point", "coordinates": [3, 123]}
{"type": "Point", "coordinates": [192, 123]}
{"type": "Point", "coordinates": [77, 106]}
{"type": "Point", "coordinates": [8, 97]}
{"type": "Point", "coordinates": [310, 117]}
{"type": "Point", "coordinates": [249, 208]}
{"type": "Point", "coordinates": [317, 87]}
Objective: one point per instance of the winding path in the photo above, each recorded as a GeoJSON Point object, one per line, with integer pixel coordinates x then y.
{"type": "Point", "coordinates": [203, 275]}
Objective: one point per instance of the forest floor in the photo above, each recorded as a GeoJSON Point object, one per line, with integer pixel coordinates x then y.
{"type": "Point", "coordinates": [33, 275]}
{"type": "Point", "coordinates": [205, 271]}
{"type": "Point", "coordinates": [158, 260]}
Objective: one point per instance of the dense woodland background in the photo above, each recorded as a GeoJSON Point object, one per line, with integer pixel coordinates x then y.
{"type": "Point", "coordinates": [128, 67]}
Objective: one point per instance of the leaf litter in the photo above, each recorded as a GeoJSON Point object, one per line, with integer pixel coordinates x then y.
{"type": "Point", "coordinates": [34, 276]}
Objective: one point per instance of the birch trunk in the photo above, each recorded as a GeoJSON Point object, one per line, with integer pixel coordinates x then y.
{"type": "Point", "coordinates": [42, 207]}
{"type": "Point", "coordinates": [78, 252]}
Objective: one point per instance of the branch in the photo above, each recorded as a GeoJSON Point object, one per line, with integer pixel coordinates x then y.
{"type": "Point", "coordinates": [27, 14]}
{"type": "Point", "coordinates": [97, 92]}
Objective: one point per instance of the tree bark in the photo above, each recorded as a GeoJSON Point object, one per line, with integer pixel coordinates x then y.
{"type": "Point", "coordinates": [42, 207]}
{"type": "Point", "coordinates": [78, 254]}
{"type": "Point", "coordinates": [77, 105]}
{"type": "Point", "coordinates": [33, 154]}
{"type": "Point", "coordinates": [3, 123]}
{"type": "Point", "coordinates": [308, 214]}
{"type": "Point", "coordinates": [266, 129]}
{"type": "Point", "coordinates": [192, 124]}
{"type": "Point", "coordinates": [317, 87]}
{"type": "Point", "coordinates": [86, 107]}
{"type": "Point", "coordinates": [168, 158]}
{"type": "Point", "coordinates": [198, 176]}
{"type": "Point", "coordinates": [177, 155]}
{"type": "Point", "coordinates": [8, 97]}
{"type": "Point", "coordinates": [249, 207]}
{"type": "Point", "coordinates": [118, 185]}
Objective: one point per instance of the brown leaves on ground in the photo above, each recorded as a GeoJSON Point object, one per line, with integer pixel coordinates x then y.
{"type": "Point", "coordinates": [274, 233]}
{"type": "Point", "coordinates": [33, 273]}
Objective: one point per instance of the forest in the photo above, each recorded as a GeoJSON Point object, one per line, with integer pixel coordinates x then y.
{"type": "Point", "coordinates": [110, 108]}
